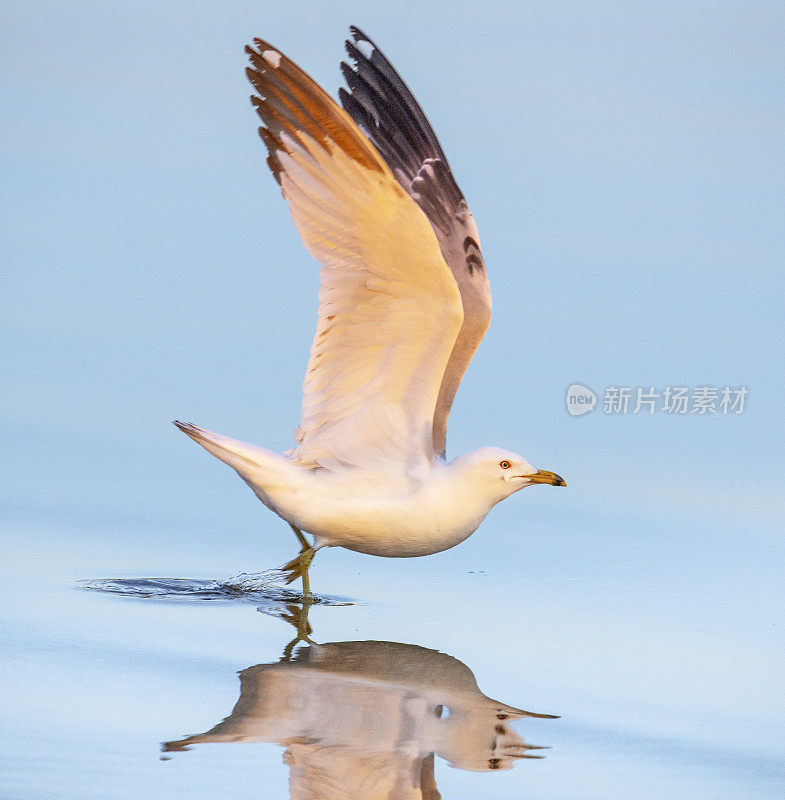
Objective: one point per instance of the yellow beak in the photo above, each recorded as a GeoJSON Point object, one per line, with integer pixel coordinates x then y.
{"type": "Point", "coordinates": [543, 476]}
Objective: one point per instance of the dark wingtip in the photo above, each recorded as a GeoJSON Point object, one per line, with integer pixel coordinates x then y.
{"type": "Point", "coordinates": [349, 74]}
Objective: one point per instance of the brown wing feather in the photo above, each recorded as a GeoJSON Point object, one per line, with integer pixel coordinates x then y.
{"type": "Point", "coordinates": [290, 101]}
{"type": "Point", "coordinates": [389, 307]}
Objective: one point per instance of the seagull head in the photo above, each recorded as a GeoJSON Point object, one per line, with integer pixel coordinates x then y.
{"type": "Point", "coordinates": [504, 472]}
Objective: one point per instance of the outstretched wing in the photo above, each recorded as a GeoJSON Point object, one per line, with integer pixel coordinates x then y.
{"type": "Point", "coordinates": [382, 105]}
{"type": "Point", "coordinates": [389, 307]}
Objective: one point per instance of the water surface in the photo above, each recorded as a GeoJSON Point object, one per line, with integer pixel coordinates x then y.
{"type": "Point", "coordinates": [431, 675]}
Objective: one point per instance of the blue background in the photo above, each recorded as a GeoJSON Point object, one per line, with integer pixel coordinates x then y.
{"type": "Point", "coordinates": [626, 168]}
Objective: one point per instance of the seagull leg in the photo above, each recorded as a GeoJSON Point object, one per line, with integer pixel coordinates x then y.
{"type": "Point", "coordinates": [300, 537]}
{"type": "Point", "coordinates": [298, 567]}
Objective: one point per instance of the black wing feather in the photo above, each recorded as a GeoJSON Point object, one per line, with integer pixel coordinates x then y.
{"type": "Point", "coordinates": [383, 106]}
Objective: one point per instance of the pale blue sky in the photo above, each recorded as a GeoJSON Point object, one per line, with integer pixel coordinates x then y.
{"type": "Point", "coordinates": [624, 163]}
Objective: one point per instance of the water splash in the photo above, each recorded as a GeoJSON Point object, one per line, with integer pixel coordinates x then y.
{"type": "Point", "coordinates": [256, 588]}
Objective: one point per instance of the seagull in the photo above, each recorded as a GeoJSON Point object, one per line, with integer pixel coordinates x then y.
{"type": "Point", "coordinates": [404, 302]}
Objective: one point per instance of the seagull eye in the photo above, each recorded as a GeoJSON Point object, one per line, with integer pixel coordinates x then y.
{"type": "Point", "coordinates": [504, 464]}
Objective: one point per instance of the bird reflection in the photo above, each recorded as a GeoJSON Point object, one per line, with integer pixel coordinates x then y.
{"type": "Point", "coordinates": [363, 720]}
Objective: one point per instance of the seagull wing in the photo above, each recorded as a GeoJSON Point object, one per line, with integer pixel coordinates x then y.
{"type": "Point", "coordinates": [389, 308]}
{"type": "Point", "coordinates": [385, 109]}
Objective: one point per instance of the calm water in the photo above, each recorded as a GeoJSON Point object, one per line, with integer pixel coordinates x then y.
{"type": "Point", "coordinates": [664, 681]}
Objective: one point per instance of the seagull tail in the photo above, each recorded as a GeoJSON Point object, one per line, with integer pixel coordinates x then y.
{"type": "Point", "coordinates": [241, 456]}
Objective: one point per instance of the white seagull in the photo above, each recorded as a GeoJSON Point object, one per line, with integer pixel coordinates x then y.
{"type": "Point", "coordinates": [403, 305]}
